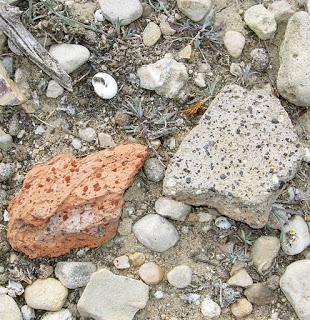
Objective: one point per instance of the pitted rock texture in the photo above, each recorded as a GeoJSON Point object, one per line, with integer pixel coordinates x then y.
{"type": "Point", "coordinates": [166, 77]}
{"type": "Point", "coordinates": [69, 203]}
{"type": "Point", "coordinates": [237, 158]}
{"type": "Point", "coordinates": [294, 73]}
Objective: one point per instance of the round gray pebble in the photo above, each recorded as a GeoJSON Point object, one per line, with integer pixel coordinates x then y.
{"type": "Point", "coordinates": [154, 170]}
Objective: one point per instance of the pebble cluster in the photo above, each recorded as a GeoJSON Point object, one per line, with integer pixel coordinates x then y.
{"type": "Point", "coordinates": [184, 248]}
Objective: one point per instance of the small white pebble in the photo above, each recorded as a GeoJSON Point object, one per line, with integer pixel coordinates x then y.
{"type": "Point", "coordinates": [104, 85]}
{"type": "Point", "coordinates": [159, 295]}
{"type": "Point", "coordinates": [39, 130]}
{"type": "Point", "coordinates": [76, 144]}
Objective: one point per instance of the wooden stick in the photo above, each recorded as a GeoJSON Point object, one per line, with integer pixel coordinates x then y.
{"type": "Point", "coordinates": [11, 25]}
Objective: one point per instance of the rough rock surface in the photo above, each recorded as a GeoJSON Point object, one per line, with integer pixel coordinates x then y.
{"type": "Point", "coordinates": [234, 42]}
{"type": "Point", "coordinates": [261, 21]}
{"type": "Point", "coordinates": [70, 56]}
{"type": "Point", "coordinates": [196, 10]}
{"type": "Point", "coordinates": [69, 203]}
{"type": "Point", "coordinates": [295, 284]}
{"type": "Point", "coordinates": [108, 296]}
{"type": "Point", "coordinates": [46, 294]}
{"type": "Point", "coordinates": [9, 309]}
{"type": "Point", "coordinates": [156, 232]}
{"type": "Point", "coordinates": [234, 160]}
{"type": "Point", "coordinates": [151, 34]}
{"type": "Point", "coordinates": [166, 77]}
{"type": "Point", "coordinates": [282, 10]}
{"type": "Point", "coordinates": [126, 11]}
{"type": "Point", "coordinates": [294, 73]}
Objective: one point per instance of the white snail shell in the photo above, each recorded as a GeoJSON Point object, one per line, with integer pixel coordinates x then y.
{"type": "Point", "coordinates": [99, 16]}
{"type": "Point", "coordinates": [104, 85]}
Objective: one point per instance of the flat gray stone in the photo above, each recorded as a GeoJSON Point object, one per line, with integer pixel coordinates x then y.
{"type": "Point", "coordinates": [156, 232]}
{"type": "Point", "coordinates": [70, 56]}
{"type": "Point", "coordinates": [9, 309]}
{"type": "Point", "coordinates": [294, 73]}
{"type": "Point", "coordinates": [295, 284]}
{"type": "Point", "coordinates": [74, 274]}
{"type": "Point", "coordinates": [108, 296]}
{"type": "Point", "coordinates": [264, 250]}
{"type": "Point", "coordinates": [54, 90]}
{"type": "Point", "coordinates": [172, 209]}
{"type": "Point", "coordinates": [126, 11]}
{"type": "Point", "coordinates": [234, 160]}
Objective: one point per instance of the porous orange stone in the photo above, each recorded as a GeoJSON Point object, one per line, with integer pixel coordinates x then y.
{"type": "Point", "coordinates": [69, 203]}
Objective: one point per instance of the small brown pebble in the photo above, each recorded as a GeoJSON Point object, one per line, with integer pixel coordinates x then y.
{"type": "Point", "coordinates": [136, 259]}
{"type": "Point", "coordinates": [121, 118]}
{"type": "Point", "coordinates": [151, 273]}
{"type": "Point", "coordinates": [241, 308]}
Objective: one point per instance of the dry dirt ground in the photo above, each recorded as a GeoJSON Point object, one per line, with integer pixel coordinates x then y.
{"type": "Point", "coordinates": [202, 246]}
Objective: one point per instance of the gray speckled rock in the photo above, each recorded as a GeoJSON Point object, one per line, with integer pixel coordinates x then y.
{"type": "Point", "coordinates": [6, 141]}
{"type": "Point", "coordinates": [293, 77]}
{"type": "Point", "coordinates": [6, 171]}
{"type": "Point", "coordinates": [74, 274]}
{"type": "Point", "coordinates": [166, 77]}
{"type": "Point", "coordinates": [156, 232]}
{"type": "Point", "coordinates": [295, 284]}
{"type": "Point", "coordinates": [172, 209]}
{"type": "Point", "coordinates": [126, 11]}
{"type": "Point", "coordinates": [154, 170]}
{"type": "Point", "coordinates": [9, 309]}
{"type": "Point", "coordinates": [108, 296]}
{"type": "Point", "coordinates": [234, 160]}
